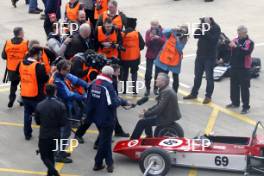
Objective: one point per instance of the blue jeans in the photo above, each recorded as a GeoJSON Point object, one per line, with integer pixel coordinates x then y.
{"type": "Point", "coordinates": [29, 109]}
{"type": "Point", "coordinates": [33, 5]}
{"type": "Point", "coordinates": [204, 65]}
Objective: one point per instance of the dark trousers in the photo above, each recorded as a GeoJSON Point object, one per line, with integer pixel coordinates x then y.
{"type": "Point", "coordinates": [144, 124]}
{"type": "Point", "coordinates": [104, 151]}
{"type": "Point", "coordinates": [148, 74]}
{"type": "Point", "coordinates": [85, 126]}
{"type": "Point", "coordinates": [240, 82]}
{"type": "Point", "coordinates": [175, 77]}
{"type": "Point", "coordinates": [29, 109]}
{"type": "Point", "coordinates": [47, 25]}
{"type": "Point", "coordinates": [133, 67]}
{"type": "Point", "coordinates": [13, 89]}
{"type": "Point", "coordinates": [65, 133]}
{"type": "Point", "coordinates": [46, 147]}
{"type": "Point", "coordinates": [204, 65]}
{"type": "Point", "coordinates": [90, 15]}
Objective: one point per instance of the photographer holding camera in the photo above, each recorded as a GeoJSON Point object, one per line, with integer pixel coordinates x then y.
{"type": "Point", "coordinates": [154, 41]}
{"type": "Point", "coordinates": [206, 57]}
{"type": "Point", "coordinates": [171, 54]}
{"type": "Point", "coordinates": [108, 39]}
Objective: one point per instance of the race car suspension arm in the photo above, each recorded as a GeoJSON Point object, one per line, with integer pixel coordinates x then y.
{"type": "Point", "coordinates": [148, 168]}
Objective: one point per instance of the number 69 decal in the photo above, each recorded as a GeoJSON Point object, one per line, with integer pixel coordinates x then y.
{"type": "Point", "coordinates": [221, 161]}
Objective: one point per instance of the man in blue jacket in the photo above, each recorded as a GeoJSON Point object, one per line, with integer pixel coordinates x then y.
{"type": "Point", "coordinates": [102, 102]}
{"type": "Point", "coordinates": [176, 40]}
{"type": "Point", "coordinates": [64, 80]}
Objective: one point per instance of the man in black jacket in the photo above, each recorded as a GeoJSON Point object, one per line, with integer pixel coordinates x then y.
{"type": "Point", "coordinates": [206, 58]}
{"type": "Point", "coordinates": [80, 42]}
{"type": "Point", "coordinates": [164, 112]}
{"type": "Point", "coordinates": [50, 123]}
{"type": "Point", "coordinates": [240, 61]}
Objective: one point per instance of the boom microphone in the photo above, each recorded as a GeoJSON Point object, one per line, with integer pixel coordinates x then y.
{"type": "Point", "coordinates": [142, 100]}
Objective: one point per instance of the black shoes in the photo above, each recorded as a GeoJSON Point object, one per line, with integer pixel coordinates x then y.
{"type": "Point", "coordinates": [97, 168]}
{"type": "Point", "coordinates": [79, 139]}
{"type": "Point", "coordinates": [123, 134]}
{"type": "Point", "coordinates": [244, 111]}
{"type": "Point", "coordinates": [38, 9]}
{"type": "Point", "coordinates": [65, 160]}
{"type": "Point", "coordinates": [110, 169]}
{"type": "Point", "coordinates": [65, 154]}
{"type": "Point", "coordinates": [95, 147]}
{"type": "Point", "coordinates": [231, 105]}
{"type": "Point", "coordinates": [34, 12]}
{"type": "Point", "coordinates": [189, 97]}
{"type": "Point", "coordinates": [11, 101]}
{"type": "Point", "coordinates": [28, 137]}
{"type": "Point", "coordinates": [14, 3]}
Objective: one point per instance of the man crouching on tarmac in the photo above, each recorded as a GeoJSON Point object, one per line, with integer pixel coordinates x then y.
{"type": "Point", "coordinates": [164, 112]}
{"type": "Point", "coordinates": [102, 102]}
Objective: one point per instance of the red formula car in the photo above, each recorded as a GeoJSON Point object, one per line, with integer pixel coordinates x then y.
{"type": "Point", "coordinates": [156, 155]}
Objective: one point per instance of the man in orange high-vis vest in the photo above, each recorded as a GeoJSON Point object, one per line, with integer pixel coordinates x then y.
{"type": "Point", "coordinates": [14, 52]}
{"type": "Point", "coordinates": [100, 7]}
{"type": "Point", "coordinates": [118, 18]}
{"type": "Point", "coordinates": [133, 43]}
{"type": "Point", "coordinates": [108, 39]}
{"type": "Point", "coordinates": [72, 9]}
{"type": "Point", "coordinates": [171, 54]}
{"type": "Point", "coordinates": [33, 78]}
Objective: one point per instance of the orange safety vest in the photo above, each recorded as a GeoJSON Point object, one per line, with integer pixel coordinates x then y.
{"type": "Point", "coordinates": [45, 60]}
{"type": "Point", "coordinates": [169, 54]}
{"type": "Point", "coordinates": [15, 53]}
{"type": "Point", "coordinates": [91, 70]}
{"type": "Point", "coordinates": [29, 83]}
{"type": "Point", "coordinates": [72, 13]}
{"type": "Point", "coordinates": [117, 20]}
{"type": "Point", "coordinates": [108, 52]}
{"type": "Point", "coordinates": [104, 5]}
{"type": "Point", "coordinates": [131, 44]}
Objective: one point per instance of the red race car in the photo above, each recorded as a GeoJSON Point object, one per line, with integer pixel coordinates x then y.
{"type": "Point", "coordinates": [156, 155]}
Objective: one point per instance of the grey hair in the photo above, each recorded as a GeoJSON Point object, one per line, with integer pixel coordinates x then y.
{"type": "Point", "coordinates": [242, 28]}
{"type": "Point", "coordinates": [165, 77]}
{"type": "Point", "coordinates": [33, 43]}
{"type": "Point", "coordinates": [84, 27]}
{"type": "Point", "coordinates": [113, 2]}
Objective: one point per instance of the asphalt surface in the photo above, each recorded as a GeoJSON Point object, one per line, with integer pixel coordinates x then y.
{"type": "Point", "coordinates": [17, 157]}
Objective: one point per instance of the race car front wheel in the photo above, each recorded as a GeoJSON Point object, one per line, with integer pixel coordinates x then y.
{"type": "Point", "coordinates": [155, 162]}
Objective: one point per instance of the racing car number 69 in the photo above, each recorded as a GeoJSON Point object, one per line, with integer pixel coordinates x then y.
{"type": "Point", "coordinates": [221, 161]}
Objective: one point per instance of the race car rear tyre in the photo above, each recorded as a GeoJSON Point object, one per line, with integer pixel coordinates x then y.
{"type": "Point", "coordinates": [172, 130]}
{"type": "Point", "coordinates": [160, 160]}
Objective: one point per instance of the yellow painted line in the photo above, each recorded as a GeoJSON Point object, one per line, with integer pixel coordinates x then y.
{"type": "Point", "coordinates": [212, 121]}
{"type": "Point", "coordinates": [59, 166]}
{"type": "Point", "coordinates": [17, 171]}
{"type": "Point", "coordinates": [232, 114]}
{"type": "Point", "coordinates": [193, 172]}
{"type": "Point", "coordinates": [36, 126]}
